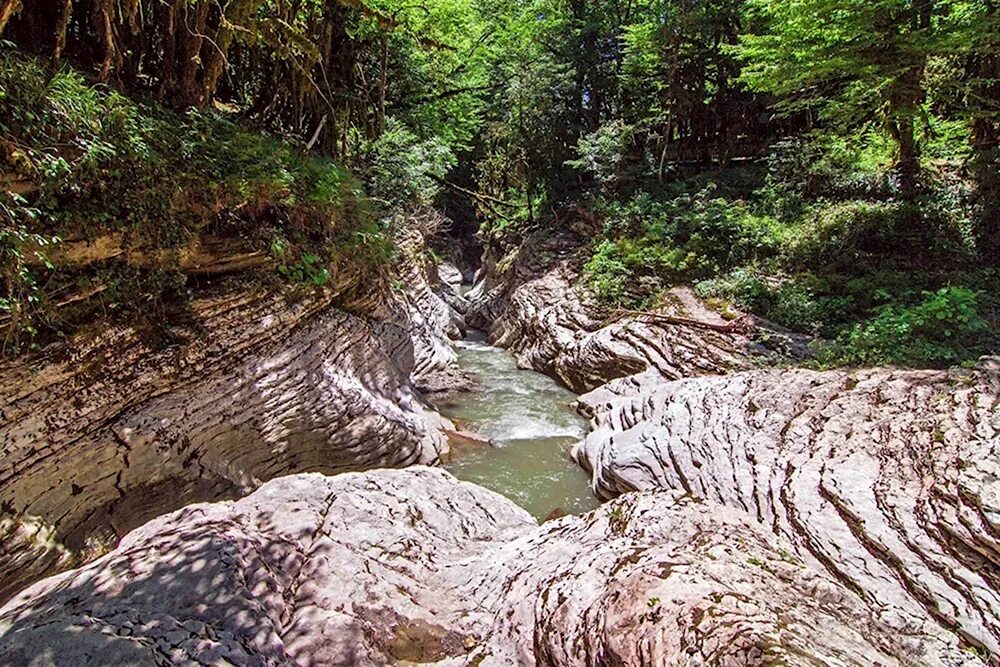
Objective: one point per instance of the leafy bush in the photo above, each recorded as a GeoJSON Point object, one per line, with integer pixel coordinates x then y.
{"type": "Point", "coordinates": [604, 153]}
{"type": "Point", "coordinates": [847, 234]}
{"type": "Point", "coordinates": [649, 244]}
{"type": "Point", "coordinates": [405, 170]}
{"type": "Point", "coordinates": [811, 168]}
{"type": "Point", "coordinates": [608, 276]}
{"type": "Point", "coordinates": [935, 330]}
{"type": "Point", "coordinates": [786, 302]}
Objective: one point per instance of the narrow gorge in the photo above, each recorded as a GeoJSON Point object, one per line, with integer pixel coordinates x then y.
{"type": "Point", "coordinates": [782, 515]}
{"type": "Point", "coordinates": [617, 333]}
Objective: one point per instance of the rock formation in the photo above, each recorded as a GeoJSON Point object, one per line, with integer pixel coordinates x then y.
{"type": "Point", "coordinates": [254, 384]}
{"type": "Point", "coordinates": [887, 480]}
{"type": "Point", "coordinates": [536, 309]}
{"type": "Point", "coordinates": [402, 567]}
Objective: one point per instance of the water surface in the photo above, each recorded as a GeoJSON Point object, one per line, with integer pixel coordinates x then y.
{"type": "Point", "coordinates": [528, 417]}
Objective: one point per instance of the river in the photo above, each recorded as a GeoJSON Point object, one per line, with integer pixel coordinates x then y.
{"type": "Point", "coordinates": [529, 418]}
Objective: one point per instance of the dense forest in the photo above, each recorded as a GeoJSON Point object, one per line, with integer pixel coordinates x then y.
{"type": "Point", "coordinates": [831, 165]}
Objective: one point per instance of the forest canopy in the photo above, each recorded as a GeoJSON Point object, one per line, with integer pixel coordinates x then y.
{"type": "Point", "coordinates": [832, 164]}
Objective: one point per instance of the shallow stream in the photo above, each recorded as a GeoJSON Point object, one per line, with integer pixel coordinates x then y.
{"type": "Point", "coordinates": [528, 417]}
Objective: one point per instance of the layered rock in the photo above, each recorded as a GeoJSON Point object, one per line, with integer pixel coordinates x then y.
{"type": "Point", "coordinates": [254, 384]}
{"type": "Point", "coordinates": [537, 309]}
{"type": "Point", "coordinates": [431, 320]}
{"type": "Point", "coordinates": [887, 480]}
{"type": "Point", "coordinates": [414, 567]}
{"type": "Point", "coordinates": [554, 326]}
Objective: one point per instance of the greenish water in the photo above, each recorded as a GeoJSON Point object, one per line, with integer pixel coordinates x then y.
{"type": "Point", "coordinates": [528, 417]}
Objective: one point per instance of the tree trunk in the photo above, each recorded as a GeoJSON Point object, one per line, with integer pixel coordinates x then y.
{"type": "Point", "coordinates": [235, 16]}
{"type": "Point", "coordinates": [189, 30]}
{"type": "Point", "coordinates": [382, 85]}
{"type": "Point", "coordinates": [986, 143]}
{"type": "Point", "coordinates": [62, 25]}
{"type": "Point", "coordinates": [901, 126]}
{"type": "Point", "coordinates": [7, 9]}
{"type": "Point", "coordinates": [906, 96]}
{"type": "Point", "coordinates": [103, 19]}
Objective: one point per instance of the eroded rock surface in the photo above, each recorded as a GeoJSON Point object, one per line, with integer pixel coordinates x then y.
{"type": "Point", "coordinates": [537, 309]}
{"type": "Point", "coordinates": [554, 327]}
{"type": "Point", "coordinates": [888, 480]}
{"type": "Point", "coordinates": [254, 385]}
{"type": "Point", "coordinates": [413, 566]}
{"type": "Point", "coordinates": [432, 321]}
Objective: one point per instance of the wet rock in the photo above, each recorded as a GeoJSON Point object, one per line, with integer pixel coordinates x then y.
{"type": "Point", "coordinates": [374, 568]}
{"type": "Point", "coordinates": [468, 438]}
{"type": "Point", "coordinates": [887, 480]}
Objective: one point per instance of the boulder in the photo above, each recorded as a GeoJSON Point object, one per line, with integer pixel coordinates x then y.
{"type": "Point", "coordinates": [402, 567]}
{"type": "Point", "coordinates": [887, 480]}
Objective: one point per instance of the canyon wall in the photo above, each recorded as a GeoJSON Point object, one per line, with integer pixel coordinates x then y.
{"type": "Point", "coordinates": [254, 383]}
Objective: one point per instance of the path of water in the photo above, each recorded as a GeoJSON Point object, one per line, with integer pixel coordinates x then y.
{"type": "Point", "coordinates": [528, 417]}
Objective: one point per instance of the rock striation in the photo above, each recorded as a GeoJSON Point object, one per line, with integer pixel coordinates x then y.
{"type": "Point", "coordinates": [403, 567]}
{"type": "Point", "coordinates": [887, 480]}
{"type": "Point", "coordinates": [252, 385]}
{"type": "Point", "coordinates": [537, 309]}
{"type": "Point", "coordinates": [553, 326]}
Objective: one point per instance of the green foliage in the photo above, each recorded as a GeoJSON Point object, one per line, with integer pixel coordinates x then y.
{"type": "Point", "coordinates": [405, 171]}
{"type": "Point", "coordinates": [309, 270]}
{"type": "Point", "coordinates": [935, 330]}
{"type": "Point", "coordinates": [21, 296]}
{"type": "Point", "coordinates": [97, 163]}
{"type": "Point", "coordinates": [608, 274]}
{"type": "Point", "coordinates": [603, 153]}
{"type": "Point", "coordinates": [839, 235]}
{"type": "Point", "coordinates": [786, 302]}
{"type": "Point", "coordinates": [652, 243]}
{"type": "Point", "coordinates": [817, 167]}
{"type": "Point", "coordinates": [103, 161]}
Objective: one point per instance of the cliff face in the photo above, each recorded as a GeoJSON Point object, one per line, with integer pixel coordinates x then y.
{"type": "Point", "coordinates": [413, 566]}
{"type": "Point", "coordinates": [884, 479]}
{"type": "Point", "coordinates": [254, 385]}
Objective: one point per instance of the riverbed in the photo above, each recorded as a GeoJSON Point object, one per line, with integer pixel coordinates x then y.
{"type": "Point", "coordinates": [529, 419]}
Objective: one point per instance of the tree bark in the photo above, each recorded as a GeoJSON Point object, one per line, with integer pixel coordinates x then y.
{"type": "Point", "coordinates": [189, 30]}
{"type": "Point", "coordinates": [7, 9]}
{"type": "Point", "coordinates": [986, 139]}
{"type": "Point", "coordinates": [906, 96]}
{"type": "Point", "coordinates": [235, 16]}
{"type": "Point", "coordinates": [104, 14]}
{"type": "Point", "coordinates": [62, 25]}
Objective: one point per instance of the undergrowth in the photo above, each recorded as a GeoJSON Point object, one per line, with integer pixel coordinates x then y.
{"type": "Point", "coordinates": [820, 242]}
{"type": "Point", "coordinates": [81, 161]}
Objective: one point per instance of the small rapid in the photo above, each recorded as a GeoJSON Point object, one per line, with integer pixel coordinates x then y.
{"type": "Point", "coordinates": [529, 419]}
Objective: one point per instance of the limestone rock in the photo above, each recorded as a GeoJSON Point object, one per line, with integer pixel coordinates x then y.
{"type": "Point", "coordinates": [413, 566]}
{"type": "Point", "coordinates": [537, 309]}
{"type": "Point", "coordinates": [554, 326]}
{"type": "Point", "coordinates": [432, 322]}
{"type": "Point", "coordinates": [887, 480]}
{"type": "Point", "coordinates": [255, 384]}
